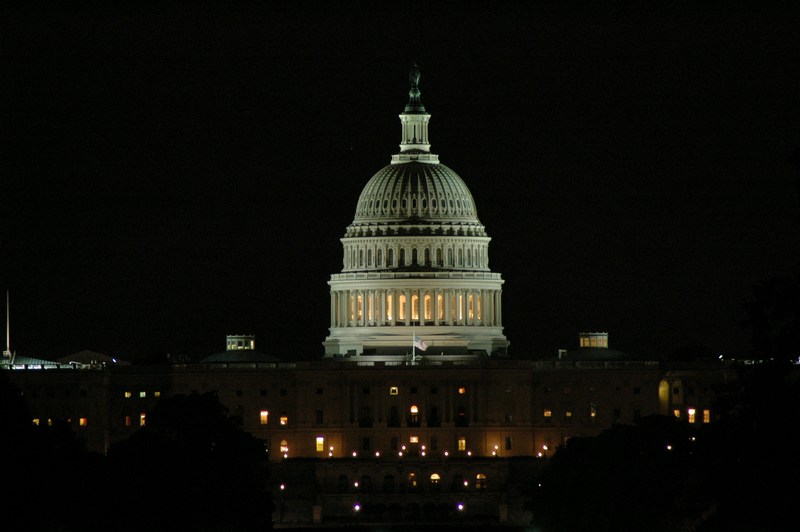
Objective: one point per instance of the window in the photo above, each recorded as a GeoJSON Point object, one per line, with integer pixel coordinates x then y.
{"type": "Point", "coordinates": [393, 443]}
{"type": "Point", "coordinates": [480, 481]}
{"type": "Point", "coordinates": [366, 444]}
{"type": "Point", "coordinates": [462, 390]}
{"type": "Point", "coordinates": [142, 395]}
{"type": "Point", "coordinates": [128, 395]}
{"type": "Point", "coordinates": [677, 413]}
{"type": "Point", "coordinates": [319, 415]}
{"type": "Point", "coordinates": [83, 422]}
{"type": "Point", "coordinates": [127, 421]}
{"type": "Point", "coordinates": [413, 416]}
{"type": "Point", "coordinates": [264, 417]}
{"type": "Point", "coordinates": [548, 412]}
{"type": "Point", "coordinates": [462, 443]}
{"type": "Point", "coordinates": [706, 416]}
{"type": "Point", "coordinates": [508, 443]}
{"type": "Point", "coordinates": [319, 391]}
{"type": "Point", "coordinates": [435, 479]}
{"type": "Point", "coordinates": [320, 444]}
{"type": "Point", "coordinates": [142, 419]}
{"type": "Point", "coordinates": [434, 443]}
{"type": "Point", "coordinates": [284, 446]}
{"type": "Point", "coordinates": [413, 389]}
{"type": "Point", "coordinates": [283, 392]}
{"type": "Point", "coordinates": [284, 420]}
{"type": "Point", "coordinates": [393, 390]}
{"type": "Point", "coordinates": [413, 439]}
{"type": "Point", "coordinates": [156, 394]}
{"type": "Point", "coordinates": [592, 412]}
{"type": "Point", "coordinates": [691, 413]}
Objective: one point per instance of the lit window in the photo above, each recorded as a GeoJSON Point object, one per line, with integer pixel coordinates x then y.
{"type": "Point", "coordinates": [284, 420]}
{"type": "Point", "coordinates": [677, 413]}
{"type": "Point", "coordinates": [284, 446]}
{"type": "Point", "coordinates": [462, 443]}
{"type": "Point", "coordinates": [592, 412]}
{"type": "Point", "coordinates": [142, 419]}
{"type": "Point", "coordinates": [393, 390]}
{"type": "Point", "coordinates": [127, 421]}
{"type": "Point", "coordinates": [568, 414]}
{"type": "Point", "coordinates": [691, 413]}
{"type": "Point", "coordinates": [413, 439]}
{"type": "Point", "coordinates": [320, 444]}
{"type": "Point", "coordinates": [264, 417]}
{"type": "Point", "coordinates": [480, 481]}
{"type": "Point", "coordinates": [128, 395]}
{"type": "Point", "coordinates": [83, 422]}
{"type": "Point", "coordinates": [435, 478]}
{"type": "Point", "coordinates": [36, 421]}
{"type": "Point", "coordinates": [462, 390]}
{"type": "Point", "coordinates": [706, 416]}
{"type": "Point", "coordinates": [548, 412]}
{"type": "Point", "coordinates": [156, 394]}
{"type": "Point", "coordinates": [142, 394]}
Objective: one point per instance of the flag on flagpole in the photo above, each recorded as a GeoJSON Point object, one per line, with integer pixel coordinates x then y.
{"type": "Point", "coordinates": [420, 344]}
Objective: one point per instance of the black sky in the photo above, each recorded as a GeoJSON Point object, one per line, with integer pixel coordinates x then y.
{"type": "Point", "coordinates": [173, 175]}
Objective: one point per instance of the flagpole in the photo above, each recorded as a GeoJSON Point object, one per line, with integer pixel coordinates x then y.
{"type": "Point", "coordinates": [413, 346]}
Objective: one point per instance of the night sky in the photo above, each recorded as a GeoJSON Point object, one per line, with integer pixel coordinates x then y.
{"type": "Point", "coordinates": [173, 175]}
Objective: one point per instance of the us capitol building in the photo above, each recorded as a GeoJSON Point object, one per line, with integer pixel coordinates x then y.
{"type": "Point", "coordinates": [415, 410]}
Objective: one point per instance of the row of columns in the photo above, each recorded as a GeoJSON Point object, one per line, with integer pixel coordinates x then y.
{"type": "Point", "coordinates": [446, 306]}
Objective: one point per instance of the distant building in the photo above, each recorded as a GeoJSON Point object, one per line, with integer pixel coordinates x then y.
{"type": "Point", "coordinates": [415, 411]}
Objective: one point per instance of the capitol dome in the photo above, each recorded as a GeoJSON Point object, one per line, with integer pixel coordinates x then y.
{"type": "Point", "coordinates": [415, 268]}
{"type": "Point", "coordinates": [416, 192]}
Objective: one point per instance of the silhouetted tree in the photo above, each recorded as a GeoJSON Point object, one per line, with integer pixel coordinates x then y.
{"type": "Point", "coordinates": [40, 468]}
{"type": "Point", "coordinates": [773, 316]}
{"type": "Point", "coordinates": [191, 467]}
{"type": "Point", "coordinates": [629, 478]}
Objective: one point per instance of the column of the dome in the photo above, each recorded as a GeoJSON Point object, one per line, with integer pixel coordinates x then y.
{"type": "Point", "coordinates": [407, 307]}
{"type": "Point", "coordinates": [333, 308]}
{"type": "Point", "coordinates": [484, 298]}
{"type": "Point", "coordinates": [384, 308]}
{"type": "Point", "coordinates": [421, 306]}
{"type": "Point", "coordinates": [499, 309]}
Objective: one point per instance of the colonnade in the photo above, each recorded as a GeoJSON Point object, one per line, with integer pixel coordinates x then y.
{"type": "Point", "coordinates": [407, 306]}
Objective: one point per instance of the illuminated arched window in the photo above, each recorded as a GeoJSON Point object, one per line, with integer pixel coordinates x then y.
{"type": "Point", "coordinates": [480, 481]}
{"type": "Point", "coordinates": [471, 307]}
{"type": "Point", "coordinates": [414, 412]}
{"type": "Point", "coordinates": [428, 309]}
{"type": "Point", "coordinates": [284, 446]}
{"type": "Point", "coordinates": [360, 307]}
{"type": "Point", "coordinates": [389, 307]}
{"type": "Point", "coordinates": [460, 306]}
{"type": "Point", "coordinates": [412, 480]}
{"type": "Point", "coordinates": [414, 307]}
{"type": "Point", "coordinates": [435, 479]}
{"type": "Point", "coordinates": [480, 307]}
{"type": "Point", "coordinates": [440, 306]}
{"type": "Point", "coordinates": [401, 304]}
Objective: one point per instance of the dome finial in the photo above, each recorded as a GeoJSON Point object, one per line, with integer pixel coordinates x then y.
{"type": "Point", "coordinates": [414, 105]}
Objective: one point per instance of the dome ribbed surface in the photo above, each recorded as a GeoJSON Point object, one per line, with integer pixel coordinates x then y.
{"type": "Point", "coordinates": [416, 191]}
